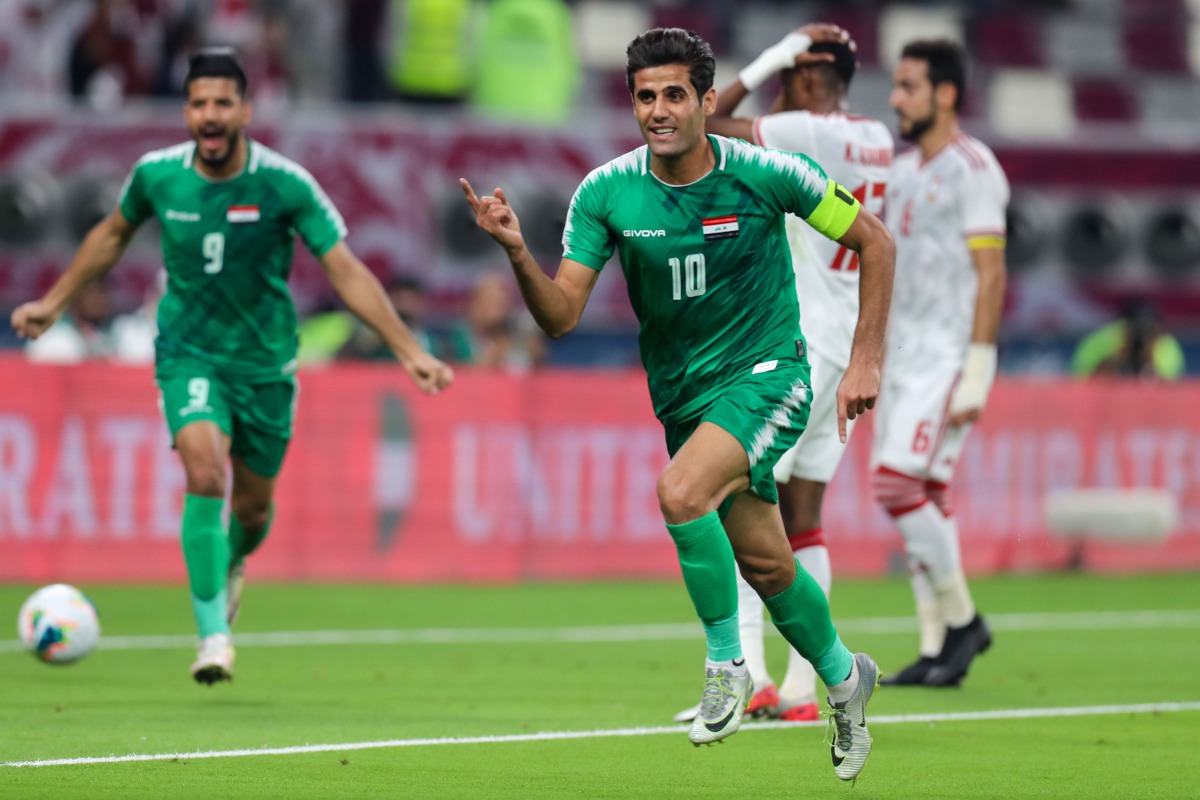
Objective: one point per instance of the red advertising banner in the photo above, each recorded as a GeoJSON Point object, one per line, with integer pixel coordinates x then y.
{"type": "Point", "coordinates": [543, 476]}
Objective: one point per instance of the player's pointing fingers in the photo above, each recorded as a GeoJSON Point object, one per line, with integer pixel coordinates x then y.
{"type": "Point", "coordinates": [472, 200]}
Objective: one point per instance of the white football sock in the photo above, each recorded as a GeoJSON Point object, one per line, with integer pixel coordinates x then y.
{"type": "Point", "coordinates": [843, 691]}
{"type": "Point", "coordinates": [931, 541]}
{"type": "Point", "coordinates": [929, 615]}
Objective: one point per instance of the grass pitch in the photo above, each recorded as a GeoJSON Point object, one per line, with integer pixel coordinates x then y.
{"type": "Point", "coordinates": [567, 690]}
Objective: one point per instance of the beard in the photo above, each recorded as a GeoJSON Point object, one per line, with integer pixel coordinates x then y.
{"type": "Point", "coordinates": [918, 127]}
{"type": "Point", "coordinates": [231, 139]}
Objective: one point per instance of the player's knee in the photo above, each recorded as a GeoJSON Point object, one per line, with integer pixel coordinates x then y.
{"type": "Point", "coordinates": [768, 576]}
{"type": "Point", "coordinates": [939, 494]}
{"type": "Point", "coordinates": [252, 513]}
{"type": "Point", "coordinates": [678, 498]}
{"type": "Point", "coordinates": [896, 492]}
{"type": "Point", "coordinates": [205, 478]}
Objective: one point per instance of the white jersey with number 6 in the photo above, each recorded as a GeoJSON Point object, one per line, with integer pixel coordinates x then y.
{"type": "Point", "coordinates": [857, 153]}
{"type": "Point", "coordinates": [939, 210]}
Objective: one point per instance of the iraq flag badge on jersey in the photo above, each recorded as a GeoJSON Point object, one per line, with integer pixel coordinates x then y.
{"type": "Point", "coordinates": [725, 227]}
{"type": "Point", "coordinates": [242, 214]}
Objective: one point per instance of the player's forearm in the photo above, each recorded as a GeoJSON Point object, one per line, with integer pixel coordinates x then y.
{"type": "Point", "coordinates": [729, 98]}
{"type": "Point", "coordinates": [100, 250]}
{"type": "Point", "coordinates": [989, 302]}
{"type": "Point", "coordinates": [877, 264]}
{"type": "Point", "coordinates": [546, 300]}
{"type": "Point", "coordinates": [366, 299]}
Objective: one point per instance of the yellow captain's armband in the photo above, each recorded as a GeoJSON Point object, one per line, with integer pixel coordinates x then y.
{"type": "Point", "coordinates": [836, 212]}
{"type": "Point", "coordinates": [988, 242]}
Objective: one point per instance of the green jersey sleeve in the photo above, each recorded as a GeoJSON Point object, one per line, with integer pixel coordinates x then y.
{"type": "Point", "coordinates": [586, 237]}
{"type": "Point", "coordinates": [314, 216]}
{"type": "Point", "coordinates": [134, 202]}
{"type": "Point", "coordinates": [798, 185]}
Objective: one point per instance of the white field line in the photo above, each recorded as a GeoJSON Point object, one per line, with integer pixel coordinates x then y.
{"type": "Point", "coordinates": [547, 736]}
{"type": "Point", "coordinates": [1052, 621]}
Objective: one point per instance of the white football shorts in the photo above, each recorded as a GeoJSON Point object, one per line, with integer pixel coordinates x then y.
{"type": "Point", "coordinates": [911, 435]}
{"type": "Point", "coordinates": [818, 451]}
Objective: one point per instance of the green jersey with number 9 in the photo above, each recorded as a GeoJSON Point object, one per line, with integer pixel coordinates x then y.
{"type": "Point", "coordinates": [707, 264]}
{"type": "Point", "coordinates": [227, 246]}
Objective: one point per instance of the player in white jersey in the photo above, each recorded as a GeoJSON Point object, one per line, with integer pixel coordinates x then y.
{"type": "Point", "coordinates": [815, 65]}
{"type": "Point", "coordinates": [946, 207]}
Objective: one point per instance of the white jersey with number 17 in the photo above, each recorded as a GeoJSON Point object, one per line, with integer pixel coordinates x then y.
{"type": "Point", "coordinates": [857, 153]}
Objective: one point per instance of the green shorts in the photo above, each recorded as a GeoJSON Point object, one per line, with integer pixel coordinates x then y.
{"type": "Point", "coordinates": [257, 417]}
{"type": "Point", "coordinates": [765, 411]}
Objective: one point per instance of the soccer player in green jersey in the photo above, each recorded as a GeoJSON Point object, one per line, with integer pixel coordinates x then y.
{"type": "Point", "coordinates": [698, 223]}
{"type": "Point", "coordinates": [229, 209]}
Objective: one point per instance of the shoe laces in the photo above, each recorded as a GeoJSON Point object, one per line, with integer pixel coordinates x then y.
{"type": "Point", "coordinates": [718, 686]}
{"type": "Point", "coordinates": [837, 732]}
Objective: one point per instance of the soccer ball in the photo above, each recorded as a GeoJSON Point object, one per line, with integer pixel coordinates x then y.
{"type": "Point", "coordinates": [58, 624]}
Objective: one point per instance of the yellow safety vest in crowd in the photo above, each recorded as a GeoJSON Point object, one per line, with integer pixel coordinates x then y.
{"type": "Point", "coordinates": [431, 56]}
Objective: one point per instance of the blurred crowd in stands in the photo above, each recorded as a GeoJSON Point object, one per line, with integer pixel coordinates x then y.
{"type": "Point", "coordinates": [1089, 86]}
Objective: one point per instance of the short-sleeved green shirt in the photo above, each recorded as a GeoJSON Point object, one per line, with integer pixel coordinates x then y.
{"type": "Point", "coordinates": [227, 248]}
{"type": "Point", "coordinates": [707, 264]}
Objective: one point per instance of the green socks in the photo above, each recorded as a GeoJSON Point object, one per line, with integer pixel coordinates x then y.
{"type": "Point", "coordinates": [206, 552]}
{"type": "Point", "coordinates": [241, 542]}
{"type": "Point", "coordinates": [710, 574]}
{"type": "Point", "coordinates": [801, 613]}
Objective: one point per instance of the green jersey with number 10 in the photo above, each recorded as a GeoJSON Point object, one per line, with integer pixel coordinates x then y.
{"type": "Point", "coordinates": [707, 264]}
{"type": "Point", "coordinates": [227, 246]}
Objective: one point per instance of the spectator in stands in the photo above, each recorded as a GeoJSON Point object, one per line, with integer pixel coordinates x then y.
{"type": "Point", "coordinates": [83, 333]}
{"type": "Point", "coordinates": [33, 37]}
{"type": "Point", "coordinates": [528, 70]}
{"type": "Point", "coordinates": [103, 68]}
{"type": "Point", "coordinates": [408, 297]}
{"type": "Point", "coordinates": [182, 37]}
{"type": "Point", "coordinates": [133, 334]}
{"type": "Point", "coordinates": [495, 332]}
{"type": "Point", "coordinates": [432, 60]}
{"type": "Point", "coordinates": [1136, 344]}
{"type": "Point", "coordinates": [362, 57]}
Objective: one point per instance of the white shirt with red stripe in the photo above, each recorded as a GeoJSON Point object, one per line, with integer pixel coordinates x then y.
{"type": "Point", "coordinates": [935, 208]}
{"type": "Point", "coordinates": [857, 153]}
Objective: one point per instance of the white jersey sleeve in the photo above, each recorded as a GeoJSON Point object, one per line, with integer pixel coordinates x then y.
{"type": "Point", "coordinates": [985, 199]}
{"type": "Point", "coordinates": [856, 152]}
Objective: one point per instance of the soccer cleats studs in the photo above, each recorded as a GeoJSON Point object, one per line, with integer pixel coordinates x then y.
{"type": "Point", "coordinates": [214, 659]}
{"type": "Point", "coordinates": [850, 740]}
{"type": "Point", "coordinates": [726, 694]}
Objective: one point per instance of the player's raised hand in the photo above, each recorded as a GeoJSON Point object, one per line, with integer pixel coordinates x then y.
{"type": "Point", "coordinates": [31, 320]}
{"type": "Point", "coordinates": [496, 216]}
{"type": "Point", "coordinates": [821, 32]}
{"type": "Point", "coordinates": [856, 393]}
{"type": "Point", "coordinates": [825, 32]}
{"type": "Point", "coordinates": [430, 374]}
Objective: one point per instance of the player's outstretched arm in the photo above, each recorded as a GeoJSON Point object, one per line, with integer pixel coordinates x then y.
{"type": "Point", "coordinates": [877, 265]}
{"type": "Point", "coordinates": [101, 249]}
{"type": "Point", "coordinates": [363, 295]}
{"type": "Point", "coordinates": [557, 304]}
